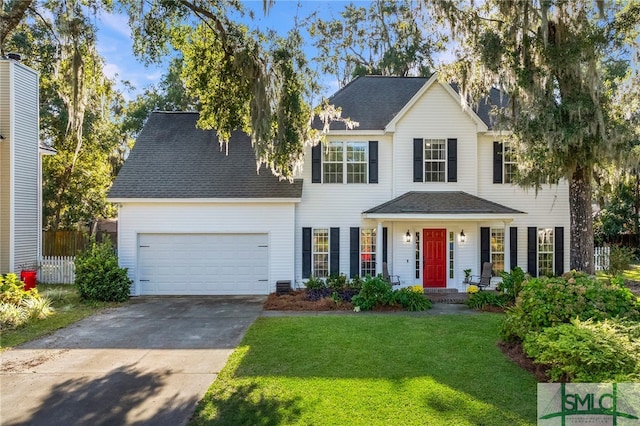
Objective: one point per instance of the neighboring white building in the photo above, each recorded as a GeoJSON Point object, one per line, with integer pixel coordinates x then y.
{"type": "Point", "coordinates": [20, 167]}
{"type": "Point", "coordinates": [417, 174]}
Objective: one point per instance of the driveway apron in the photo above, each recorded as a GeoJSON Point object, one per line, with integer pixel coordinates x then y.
{"type": "Point", "coordinates": [148, 362]}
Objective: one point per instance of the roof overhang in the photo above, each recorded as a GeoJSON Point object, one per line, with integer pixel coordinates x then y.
{"type": "Point", "coordinates": [452, 217]}
{"type": "Point", "coordinates": [204, 200]}
{"type": "Point", "coordinates": [480, 125]}
{"type": "Point", "coordinates": [440, 205]}
{"type": "Point", "coordinates": [356, 132]}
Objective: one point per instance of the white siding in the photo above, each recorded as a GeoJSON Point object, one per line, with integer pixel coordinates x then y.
{"type": "Point", "coordinates": [341, 205]}
{"type": "Point", "coordinates": [26, 118]}
{"type": "Point", "coordinates": [548, 208]}
{"type": "Point", "coordinates": [437, 115]}
{"type": "Point", "coordinates": [19, 180]}
{"type": "Point", "coordinates": [274, 219]}
{"type": "Point", "coordinates": [5, 168]}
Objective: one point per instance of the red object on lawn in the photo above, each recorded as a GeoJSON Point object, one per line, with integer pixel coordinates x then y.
{"type": "Point", "coordinates": [28, 277]}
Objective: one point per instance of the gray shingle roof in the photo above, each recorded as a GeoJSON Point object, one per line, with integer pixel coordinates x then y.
{"type": "Point", "coordinates": [441, 202]}
{"type": "Point", "coordinates": [174, 159]}
{"type": "Point", "coordinates": [374, 101]}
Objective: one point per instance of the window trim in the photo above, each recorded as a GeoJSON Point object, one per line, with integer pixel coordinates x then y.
{"type": "Point", "coordinates": [315, 252]}
{"type": "Point", "coordinates": [548, 235]}
{"type": "Point", "coordinates": [506, 146]}
{"type": "Point", "coordinates": [345, 162]}
{"type": "Point", "coordinates": [443, 161]}
{"type": "Point", "coordinates": [373, 238]}
{"type": "Point", "coordinates": [492, 251]}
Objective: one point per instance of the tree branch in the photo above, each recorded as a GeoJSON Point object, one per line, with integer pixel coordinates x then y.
{"type": "Point", "coordinates": [9, 20]}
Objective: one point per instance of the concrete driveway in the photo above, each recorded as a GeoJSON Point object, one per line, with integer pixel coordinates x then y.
{"type": "Point", "coordinates": [149, 362]}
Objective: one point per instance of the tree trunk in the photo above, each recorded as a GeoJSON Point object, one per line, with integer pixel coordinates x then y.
{"type": "Point", "coordinates": [581, 238]}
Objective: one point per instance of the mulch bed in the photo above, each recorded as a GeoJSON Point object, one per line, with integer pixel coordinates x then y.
{"type": "Point", "coordinates": [297, 301]}
{"type": "Point", "coordinates": [516, 354]}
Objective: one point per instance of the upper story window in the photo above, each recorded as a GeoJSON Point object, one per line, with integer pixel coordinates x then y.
{"type": "Point", "coordinates": [435, 157]}
{"type": "Point", "coordinates": [435, 160]}
{"type": "Point", "coordinates": [345, 162]}
{"type": "Point", "coordinates": [504, 163]}
{"type": "Point", "coordinates": [509, 163]}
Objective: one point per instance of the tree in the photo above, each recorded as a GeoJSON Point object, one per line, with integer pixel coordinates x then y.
{"type": "Point", "coordinates": [385, 38]}
{"type": "Point", "coordinates": [256, 82]}
{"type": "Point", "coordinates": [566, 67]}
{"type": "Point", "coordinates": [11, 14]}
{"type": "Point", "coordinates": [77, 114]}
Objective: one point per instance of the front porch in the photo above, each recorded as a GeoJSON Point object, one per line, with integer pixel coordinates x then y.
{"type": "Point", "coordinates": [435, 236]}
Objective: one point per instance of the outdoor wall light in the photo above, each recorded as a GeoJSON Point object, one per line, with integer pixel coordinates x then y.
{"type": "Point", "coordinates": [407, 237]}
{"type": "Point", "coordinates": [463, 237]}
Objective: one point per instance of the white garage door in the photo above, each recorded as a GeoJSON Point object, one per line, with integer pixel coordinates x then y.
{"type": "Point", "coordinates": [193, 264]}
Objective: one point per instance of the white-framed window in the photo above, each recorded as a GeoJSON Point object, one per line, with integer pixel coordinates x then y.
{"type": "Point", "coordinates": [509, 164]}
{"type": "Point", "coordinates": [435, 160]}
{"type": "Point", "coordinates": [497, 250]}
{"type": "Point", "coordinates": [545, 251]}
{"type": "Point", "coordinates": [345, 162]}
{"type": "Point", "coordinates": [368, 252]}
{"type": "Point", "coordinates": [418, 255]}
{"type": "Point", "coordinates": [452, 241]}
{"type": "Point", "coordinates": [320, 250]}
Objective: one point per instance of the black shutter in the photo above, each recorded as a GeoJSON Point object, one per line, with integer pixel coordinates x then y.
{"type": "Point", "coordinates": [354, 252]}
{"type": "Point", "coordinates": [558, 250]}
{"type": "Point", "coordinates": [334, 251]}
{"type": "Point", "coordinates": [373, 161]}
{"type": "Point", "coordinates": [485, 246]}
{"type": "Point", "coordinates": [532, 251]}
{"type": "Point", "coordinates": [497, 162]}
{"type": "Point", "coordinates": [452, 160]}
{"type": "Point", "coordinates": [384, 244]}
{"type": "Point", "coordinates": [306, 252]}
{"type": "Point", "coordinates": [316, 164]}
{"type": "Point", "coordinates": [418, 161]}
{"type": "Point", "coordinates": [513, 246]}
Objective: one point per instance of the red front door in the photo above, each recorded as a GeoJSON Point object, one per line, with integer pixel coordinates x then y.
{"type": "Point", "coordinates": [434, 262]}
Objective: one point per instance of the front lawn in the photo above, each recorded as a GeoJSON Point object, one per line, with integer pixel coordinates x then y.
{"type": "Point", "coordinates": [68, 309]}
{"type": "Point", "coordinates": [371, 369]}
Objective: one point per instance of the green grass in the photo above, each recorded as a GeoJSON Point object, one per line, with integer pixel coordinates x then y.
{"type": "Point", "coordinates": [68, 309]}
{"type": "Point", "coordinates": [633, 273]}
{"type": "Point", "coordinates": [371, 370]}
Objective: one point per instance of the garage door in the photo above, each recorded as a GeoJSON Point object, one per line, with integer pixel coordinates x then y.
{"type": "Point", "coordinates": [192, 264]}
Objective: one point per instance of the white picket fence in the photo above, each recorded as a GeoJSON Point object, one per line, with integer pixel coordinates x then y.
{"type": "Point", "coordinates": [601, 258]}
{"type": "Point", "coordinates": [57, 270]}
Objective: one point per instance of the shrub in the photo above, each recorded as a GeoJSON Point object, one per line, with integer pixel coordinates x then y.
{"type": "Point", "coordinates": [98, 276]}
{"type": "Point", "coordinates": [314, 283]}
{"type": "Point", "coordinates": [412, 300]}
{"type": "Point", "coordinates": [482, 299]}
{"type": "Point", "coordinates": [512, 283]}
{"type": "Point", "coordinates": [587, 351]}
{"type": "Point", "coordinates": [619, 260]}
{"type": "Point", "coordinates": [337, 282]}
{"type": "Point", "coordinates": [356, 283]}
{"type": "Point", "coordinates": [545, 302]}
{"type": "Point", "coordinates": [472, 289]}
{"type": "Point", "coordinates": [17, 305]}
{"type": "Point", "coordinates": [375, 291]}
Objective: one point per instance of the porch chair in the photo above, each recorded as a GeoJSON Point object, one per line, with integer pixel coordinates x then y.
{"type": "Point", "coordinates": [391, 279]}
{"type": "Point", "coordinates": [483, 280]}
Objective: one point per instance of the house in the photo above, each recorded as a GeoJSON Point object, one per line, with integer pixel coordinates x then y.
{"type": "Point", "coordinates": [20, 167]}
{"type": "Point", "coordinates": [422, 184]}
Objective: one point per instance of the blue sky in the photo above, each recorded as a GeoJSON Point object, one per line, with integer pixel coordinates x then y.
{"type": "Point", "coordinates": [114, 39]}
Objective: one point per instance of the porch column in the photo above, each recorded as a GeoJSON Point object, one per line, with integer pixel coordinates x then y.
{"type": "Point", "coordinates": [379, 249]}
{"type": "Point", "coordinates": [507, 247]}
